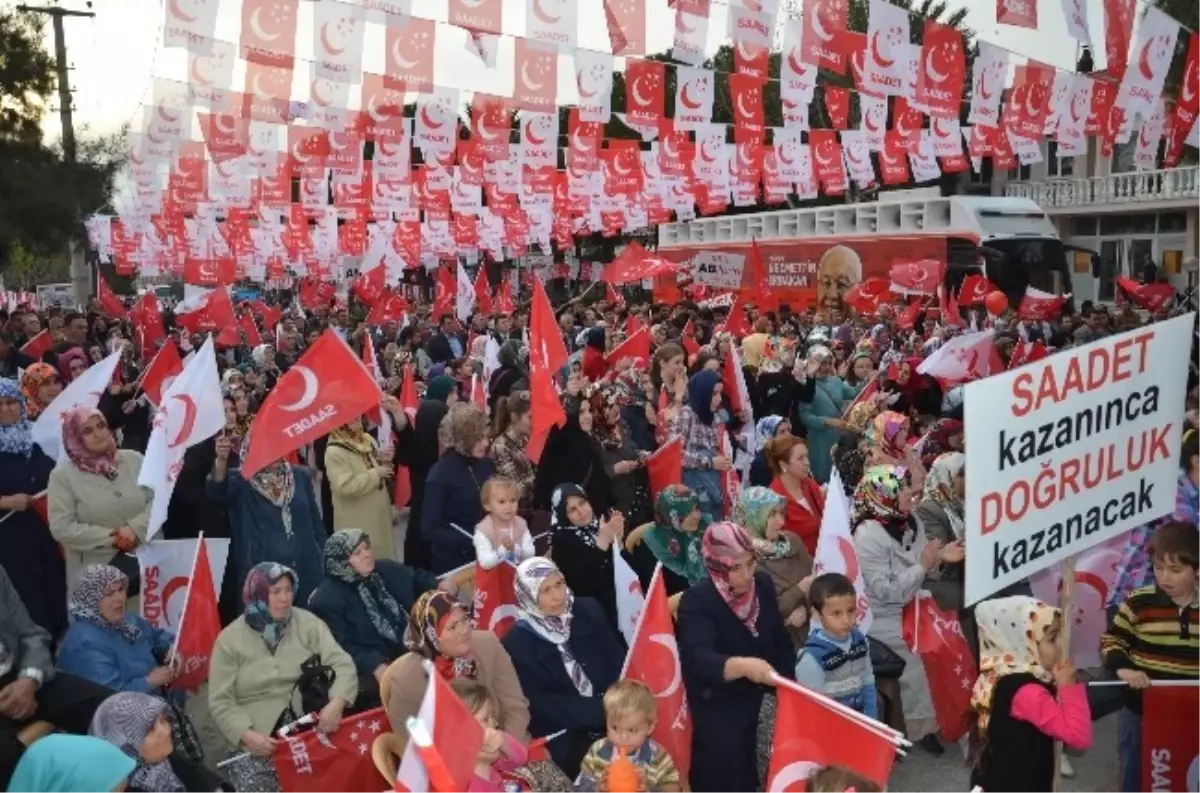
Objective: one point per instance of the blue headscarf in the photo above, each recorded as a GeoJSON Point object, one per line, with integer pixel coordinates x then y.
{"type": "Point", "coordinates": [767, 428]}
{"type": "Point", "coordinates": [16, 438]}
{"type": "Point", "coordinates": [700, 392]}
{"type": "Point", "coordinates": [69, 763]}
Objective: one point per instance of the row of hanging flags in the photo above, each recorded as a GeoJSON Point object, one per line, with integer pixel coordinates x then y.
{"type": "Point", "coordinates": [213, 165]}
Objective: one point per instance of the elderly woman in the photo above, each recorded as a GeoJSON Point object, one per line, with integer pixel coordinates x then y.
{"type": "Point", "coordinates": [30, 557]}
{"type": "Point", "coordinates": [452, 506]}
{"type": "Point", "coordinates": [366, 601]}
{"type": "Point", "coordinates": [97, 508]}
{"type": "Point", "coordinates": [582, 540]}
{"type": "Point", "coordinates": [358, 480]}
{"type": "Point", "coordinates": [566, 656]}
{"type": "Point", "coordinates": [439, 637]}
{"type": "Point", "coordinates": [946, 435]}
{"type": "Point", "coordinates": [895, 559]}
{"type": "Point", "coordinates": [732, 641]}
{"type": "Point", "coordinates": [698, 424]}
{"type": "Point", "coordinates": [822, 415]}
{"type": "Point", "coordinates": [780, 553]}
{"type": "Point", "coordinates": [674, 541]}
{"type": "Point", "coordinates": [139, 725]}
{"type": "Point", "coordinates": [40, 384]}
{"type": "Point", "coordinates": [256, 663]}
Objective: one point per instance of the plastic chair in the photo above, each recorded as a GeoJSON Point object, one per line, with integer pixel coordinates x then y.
{"type": "Point", "coordinates": [386, 752]}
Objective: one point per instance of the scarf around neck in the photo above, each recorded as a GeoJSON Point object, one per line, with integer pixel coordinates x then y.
{"type": "Point", "coordinates": [723, 544]}
{"type": "Point", "coordinates": [256, 595]}
{"type": "Point", "coordinates": [531, 575]}
{"type": "Point", "coordinates": [677, 549]}
{"type": "Point", "coordinates": [124, 720]}
{"type": "Point", "coordinates": [386, 615]}
{"type": "Point", "coordinates": [423, 634]}
{"type": "Point", "coordinates": [277, 484]}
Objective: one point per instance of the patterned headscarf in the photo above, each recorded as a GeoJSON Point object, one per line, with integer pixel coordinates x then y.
{"type": "Point", "coordinates": [467, 426]}
{"type": "Point", "coordinates": [386, 614]}
{"type": "Point", "coordinates": [767, 428]}
{"type": "Point", "coordinates": [102, 463]}
{"type": "Point", "coordinates": [888, 433]}
{"type": "Point", "coordinates": [752, 511]}
{"type": "Point", "coordinates": [423, 635]}
{"type": "Point", "coordinates": [558, 514]}
{"type": "Point", "coordinates": [277, 484]}
{"type": "Point", "coordinates": [34, 378]}
{"type": "Point", "coordinates": [16, 438]}
{"type": "Point", "coordinates": [937, 440]}
{"type": "Point", "coordinates": [93, 584]}
{"type": "Point", "coordinates": [678, 550]}
{"type": "Point", "coordinates": [531, 575]}
{"type": "Point", "coordinates": [124, 720]}
{"type": "Point", "coordinates": [64, 362]}
{"type": "Point", "coordinates": [861, 415]}
{"type": "Point", "coordinates": [877, 496]}
{"type": "Point", "coordinates": [939, 487]}
{"type": "Point", "coordinates": [1010, 630]}
{"type": "Point", "coordinates": [723, 543]}
{"type": "Point", "coordinates": [256, 594]}
{"type": "Point", "coordinates": [603, 397]}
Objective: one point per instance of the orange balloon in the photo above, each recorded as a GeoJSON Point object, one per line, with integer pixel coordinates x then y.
{"type": "Point", "coordinates": [996, 302]}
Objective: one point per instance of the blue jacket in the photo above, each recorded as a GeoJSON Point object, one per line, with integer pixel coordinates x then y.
{"type": "Point", "coordinates": [103, 655]}
{"type": "Point", "coordinates": [339, 604]}
{"type": "Point", "coordinates": [257, 534]}
{"type": "Point", "coordinates": [554, 702]}
{"type": "Point", "coordinates": [30, 556]}
{"type": "Point", "coordinates": [452, 496]}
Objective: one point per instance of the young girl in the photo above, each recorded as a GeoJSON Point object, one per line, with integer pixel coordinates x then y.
{"type": "Point", "coordinates": [501, 753]}
{"type": "Point", "coordinates": [1025, 697]}
{"type": "Point", "coordinates": [502, 534]}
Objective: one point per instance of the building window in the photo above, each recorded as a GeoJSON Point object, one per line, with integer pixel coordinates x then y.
{"type": "Point", "coordinates": [1020, 174]}
{"type": "Point", "coordinates": [1172, 221]}
{"type": "Point", "coordinates": [1083, 226]}
{"type": "Point", "coordinates": [1056, 166]}
{"type": "Point", "coordinates": [1122, 157]}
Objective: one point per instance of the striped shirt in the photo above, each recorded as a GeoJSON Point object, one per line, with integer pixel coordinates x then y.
{"type": "Point", "coordinates": [1153, 634]}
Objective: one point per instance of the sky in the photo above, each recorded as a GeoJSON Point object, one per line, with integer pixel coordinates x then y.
{"type": "Point", "coordinates": [115, 54]}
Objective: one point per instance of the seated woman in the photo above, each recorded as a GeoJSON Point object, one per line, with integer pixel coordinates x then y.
{"type": "Point", "coordinates": [256, 662]}
{"type": "Point", "coordinates": [673, 539]}
{"type": "Point", "coordinates": [766, 430]}
{"type": "Point", "coordinates": [439, 631]}
{"type": "Point", "coordinates": [780, 553]}
{"type": "Point", "coordinates": [139, 726]}
{"type": "Point", "coordinates": [731, 642]}
{"type": "Point", "coordinates": [788, 459]}
{"type": "Point", "coordinates": [66, 763]}
{"type": "Point", "coordinates": [366, 602]}
{"type": "Point", "coordinates": [566, 656]}
{"type": "Point", "coordinates": [582, 539]}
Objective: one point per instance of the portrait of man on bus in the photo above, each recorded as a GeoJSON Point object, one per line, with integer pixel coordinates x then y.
{"type": "Point", "coordinates": [839, 269]}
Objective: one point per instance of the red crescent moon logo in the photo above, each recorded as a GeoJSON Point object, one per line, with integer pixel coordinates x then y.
{"type": "Point", "coordinates": [533, 139]}
{"type": "Point", "coordinates": [189, 420]}
{"type": "Point", "coordinates": [686, 98]}
{"type": "Point", "coordinates": [850, 557]}
{"type": "Point", "coordinates": [173, 586]}
{"type": "Point", "coordinates": [428, 121]}
{"type": "Point", "coordinates": [1144, 61]}
{"type": "Point", "coordinates": [876, 54]}
{"type": "Point", "coordinates": [542, 14]}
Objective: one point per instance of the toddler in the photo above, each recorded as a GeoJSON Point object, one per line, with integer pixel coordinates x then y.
{"type": "Point", "coordinates": [630, 712]}
{"type": "Point", "coordinates": [836, 659]}
{"type": "Point", "coordinates": [501, 753]}
{"type": "Point", "coordinates": [502, 535]}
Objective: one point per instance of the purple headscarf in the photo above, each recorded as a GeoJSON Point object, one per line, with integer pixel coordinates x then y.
{"type": "Point", "coordinates": [102, 463]}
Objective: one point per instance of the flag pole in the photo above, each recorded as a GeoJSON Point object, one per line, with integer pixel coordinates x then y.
{"type": "Point", "coordinates": [32, 498]}
{"type": "Point", "coordinates": [1067, 608]}
{"type": "Point", "coordinates": [187, 599]}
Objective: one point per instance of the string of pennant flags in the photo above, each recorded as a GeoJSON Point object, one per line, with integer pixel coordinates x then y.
{"type": "Point", "coordinates": [223, 206]}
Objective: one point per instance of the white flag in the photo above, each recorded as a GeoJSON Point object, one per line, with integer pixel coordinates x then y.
{"type": "Point", "coordinates": [166, 569]}
{"type": "Point", "coordinates": [630, 598]}
{"type": "Point", "coordinates": [1075, 12]}
{"type": "Point", "coordinates": [1149, 61]}
{"type": "Point", "coordinates": [465, 294]}
{"type": "Point", "coordinates": [987, 83]}
{"type": "Point", "coordinates": [191, 411]}
{"type": "Point", "coordinates": [84, 390]}
{"type": "Point", "coordinates": [835, 548]}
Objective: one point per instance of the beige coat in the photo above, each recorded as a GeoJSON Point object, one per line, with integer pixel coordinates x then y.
{"type": "Point", "coordinates": [86, 508]}
{"type": "Point", "coordinates": [360, 499]}
{"type": "Point", "coordinates": [248, 687]}
{"type": "Point", "coordinates": [407, 681]}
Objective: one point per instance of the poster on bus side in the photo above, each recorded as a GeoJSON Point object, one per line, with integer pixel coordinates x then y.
{"type": "Point", "coordinates": [800, 273]}
{"type": "Point", "coordinates": [1071, 450]}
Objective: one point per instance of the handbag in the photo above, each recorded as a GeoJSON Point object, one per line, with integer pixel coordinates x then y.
{"type": "Point", "coordinates": [314, 683]}
{"type": "Point", "coordinates": [885, 661]}
{"type": "Point", "coordinates": [127, 563]}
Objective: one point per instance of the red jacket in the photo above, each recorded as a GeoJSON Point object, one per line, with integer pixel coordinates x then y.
{"type": "Point", "coordinates": [806, 525]}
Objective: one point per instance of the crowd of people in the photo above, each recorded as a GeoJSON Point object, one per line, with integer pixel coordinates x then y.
{"type": "Point", "coordinates": [320, 569]}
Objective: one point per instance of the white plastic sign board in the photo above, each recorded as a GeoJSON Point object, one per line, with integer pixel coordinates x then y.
{"type": "Point", "coordinates": [1068, 451]}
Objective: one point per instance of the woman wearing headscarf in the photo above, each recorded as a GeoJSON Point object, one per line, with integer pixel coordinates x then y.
{"type": "Point", "coordinates": [72, 363]}
{"type": "Point", "coordinates": [946, 435]}
{"type": "Point", "coordinates": [273, 517]}
{"type": "Point", "coordinates": [582, 539]}
{"type": "Point", "coordinates": [97, 508]}
{"type": "Point", "coordinates": [624, 464]}
{"type": "Point", "coordinates": [30, 557]}
{"type": "Point", "coordinates": [767, 429]}
{"type": "Point", "coordinates": [439, 637]}
{"type": "Point", "coordinates": [895, 559]}
{"type": "Point", "coordinates": [358, 479]}
{"type": "Point", "coordinates": [417, 448]}
{"type": "Point", "coordinates": [68, 763]}
{"type": "Point", "coordinates": [511, 376]}
{"type": "Point", "coordinates": [850, 457]}
{"type": "Point", "coordinates": [573, 454]}
{"type": "Point", "coordinates": [699, 424]}
{"type": "Point", "coordinates": [512, 425]}
{"type": "Point", "coordinates": [41, 384]}
{"type": "Point", "coordinates": [822, 415]}
{"type": "Point", "coordinates": [595, 364]}
{"type": "Point", "coordinates": [366, 601]}
{"type": "Point", "coordinates": [140, 726]}
{"type": "Point", "coordinates": [452, 505]}
{"type": "Point", "coordinates": [255, 664]}
{"type": "Point", "coordinates": [674, 540]}
{"type": "Point", "coordinates": [780, 553]}
{"type": "Point", "coordinates": [887, 440]}
{"type": "Point", "coordinates": [566, 656]}
{"type": "Point", "coordinates": [732, 642]}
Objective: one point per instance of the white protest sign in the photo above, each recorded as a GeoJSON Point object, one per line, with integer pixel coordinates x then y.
{"type": "Point", "coordinates": [1071, 450]}
{"type": "Point", "coordinates": [718, 270]}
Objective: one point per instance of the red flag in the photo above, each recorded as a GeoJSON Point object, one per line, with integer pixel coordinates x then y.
{"type": "Point", "coordinates": [1169, 737]}
{"type": "Point", "coordinates": [109, 302]}
{"type": "Point", "coordinates": [754, 275]}
{"type": "Point", "coordinates": [688, 339]}
{"type": "Point", "coordinates": [974, 290]}
{"type": "Point", "coordinates": [951, 316]}
{"type": "Point", "coordinates": [908, 319]}
{"type": "Point", "coordinates": [866, 295]}
{"type": "Point", "coordinates": [943, 66]}
{"type": "Point", "coordinates": [270, 315]}
{"type": "Point", "coordinates": [636, 347]}
{"type": "Point", "coordinates": [937, 636]}
{"type": "Point", "coordinates": [923, 276]}
{"type": "Point", "coordinates": [823, 21]}
{"type": "Point", "coordinates": [736, 322]}
{"type": "Point", "coordinates": [1151, 297]}
{"type": "Point", "coordinates": [635, 263]}
{"type": "Point", "coordinates": [645, 91]}
{"type": "Point", "coordinates": [456, 737]}
{"type": "Point", "coordinates": [478, 392]}
{"type": "Point", "coordinates": [39, 345]}
{"type": "Point", "coordinates": [483, 292]}
{"type": "Point", "coordinates": [495, 606]}
{"type": "Point", "coordinates": [809, 735]}
{"type": "Point", "coordinates": [199, 625]}
{"type": "Point", "coordinates": [369, 286]}
{"type": "Point", "coordinates": [1118, 30]}
{"type": "Point", "coordinates": [147, 319]}
{"type": "Point", "coordinates": [547, 354]}
{"type": "Point", "coordinates": [648, 662]}
{"type": "Point", "coordinates": [408, 392]}
{"type": "Point", "coordinates": [504, 300]}
{"type": "Point", "coordinates": [445, 294]}
{"type": "Point", "coordinates": [165, 366]}
{"type": "Point", "coordinates": [611, 295]}
{"type": "Point", "coordinates": [211, 313]}
{"type": "Point", "coordinates": [389, 306]}
{"type": "Point", "coordinates": [247, 326]}
{"type": "Point", "coordinates": [868, 391]}
{"type": "Point", "coordinates": [626, 20]}
{"type": "Point", "coordinates": [1039, 305]}
{"type": "Point", "coordinates": [311, 761]}
{"type": "Point", "coordinates": [837, 105]}
{"type": "Point", "coordinates": [42, 507]}
{"type": "Point", "coordinates": [665, 466]}
{"type": "Point", "coordinates": [326, 388]}
{"type": "Point", "coordinates": [1020, 13]}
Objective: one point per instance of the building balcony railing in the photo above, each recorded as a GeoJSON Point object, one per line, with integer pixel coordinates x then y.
{"type": "Point", "coordinates": [1174, 184]}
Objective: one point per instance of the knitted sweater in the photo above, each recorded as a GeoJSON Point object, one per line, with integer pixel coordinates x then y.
{"type": "Point", "coordinates": [839, 668]}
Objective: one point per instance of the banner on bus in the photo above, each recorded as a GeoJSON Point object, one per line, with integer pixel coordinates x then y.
{"type": "Point", "coordinates": [1071, 450]}
{"type": "Point", "coordinates": [800, 273]}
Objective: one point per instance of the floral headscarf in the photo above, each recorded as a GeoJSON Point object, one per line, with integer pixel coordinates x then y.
{"type": "Point", "coordinates": [877, 496]}
{"type": "Point", "coordinates": [531, 575]}
{"type": "Point", "coordinates": [93, 585]}
{"type": "Point", "coordinates": [468, 426]}
{"type": "Point", "coordinates": [678, 550]}
{"type": "Point", "coordinates": [603, 397]}
{"type": "Point", "coordinates": [1010, 630]}
{"type": "Point", "coordinates": [889, 433]}
{"type": "Point", "coordinates": [767, 428]}
{"type": "Point", "coordinates": [256, 594]}
{"type": "Point", "coordinates": [124, 720]}
{"type": "Point", "coordinates": [425, 625]}
{"type": "Point", "coordinates": [34, 378]}
{"type": "Point", "coordinates": [861, 415]}
{"type": "Point", "coordinates": [386, 614]}
{"type": "Point", "coordinates": [102, 463]}
{"type": "Point", "coordinates": [558, 514]}
{"type": "Point", "coordinates": [16, 438]}
{"type": "Point", "coordinates": [752, 511]}
{"type": "Point", "coordinates": [277, 484]}
{"type": "Point", "coordinates": [723, 543]}
{"type": "Point", "coordinates": [937, 440]}
{"type": "Point", "coordinates": [939, 487]}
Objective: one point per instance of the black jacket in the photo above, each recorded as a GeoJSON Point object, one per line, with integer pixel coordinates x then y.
{"type": "Point", "coordinates": [439, 350]}
{"type": "Point", "coordinates": [1017, 755]}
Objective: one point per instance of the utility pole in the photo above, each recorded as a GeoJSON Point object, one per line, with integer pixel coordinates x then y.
{"type": "Point", "coordinates": [81, 278]}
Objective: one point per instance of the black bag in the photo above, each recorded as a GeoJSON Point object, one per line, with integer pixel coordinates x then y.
{"type": "Point", "coordinates": [885, 662]}
{"type": "Point", "coordinates": [314, 683]}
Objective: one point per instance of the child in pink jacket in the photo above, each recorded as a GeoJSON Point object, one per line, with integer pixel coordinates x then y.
{"type": "Point", "coordinates": [501, 752]}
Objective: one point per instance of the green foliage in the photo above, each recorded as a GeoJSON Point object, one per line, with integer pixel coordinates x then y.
{"type": "Point", "coordinates": [26, 76]}
{"type": "Point", "coordinates": [27, 269]}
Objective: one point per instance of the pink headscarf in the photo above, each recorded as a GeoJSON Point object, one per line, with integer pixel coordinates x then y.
{"type": "Point", "coordinates": [723, 543]}
{"type": "Point", "coordinates": [103, 463]}
{"type": "Point", "coordinates": [64, 362]}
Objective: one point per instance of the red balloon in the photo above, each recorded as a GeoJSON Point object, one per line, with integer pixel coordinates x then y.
{"type": "Point", "coordinates": [996, 302]}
